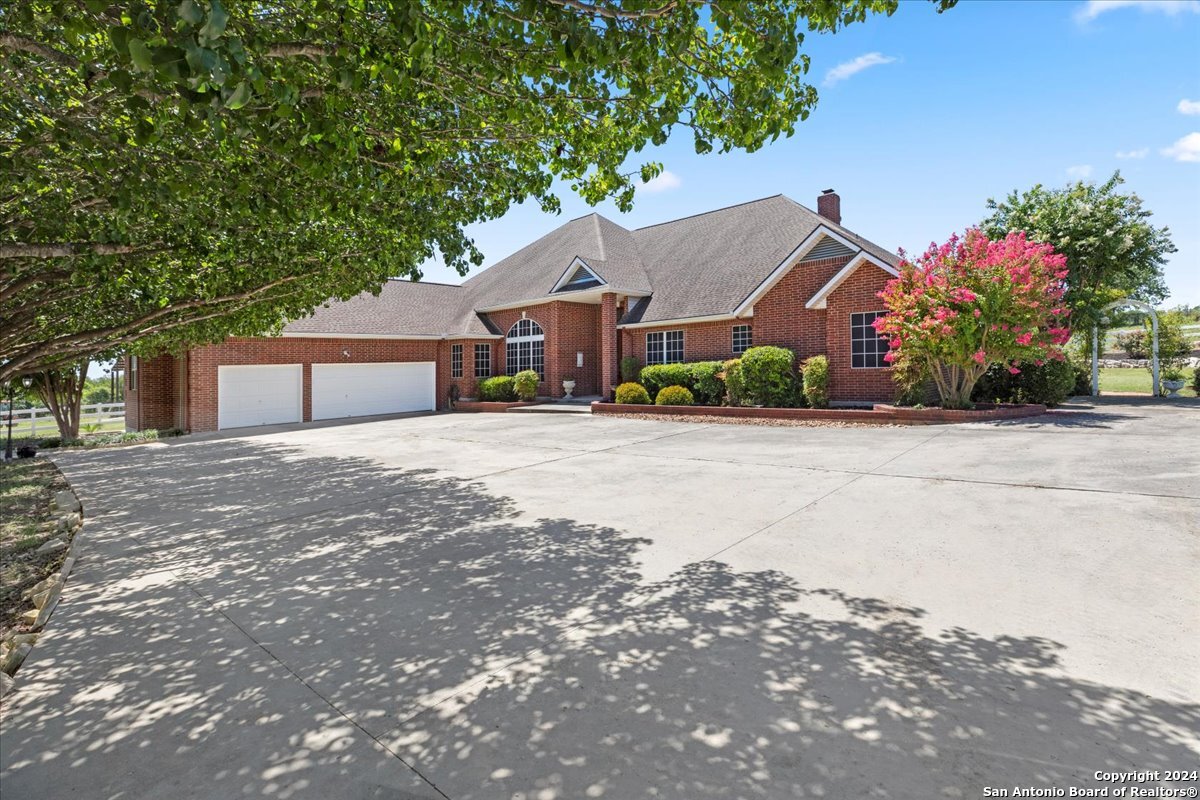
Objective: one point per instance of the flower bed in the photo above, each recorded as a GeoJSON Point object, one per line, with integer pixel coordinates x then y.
{"type": "Point", "coordinates": [488, 405]}
{"type": "Point", "coordinates": [879, 414]}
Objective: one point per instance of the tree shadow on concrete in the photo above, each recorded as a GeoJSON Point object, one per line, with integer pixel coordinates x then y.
{"type": "Point", "coordinates": [723, 685]}
{"type": "Point", "coordinates": [248, 619]}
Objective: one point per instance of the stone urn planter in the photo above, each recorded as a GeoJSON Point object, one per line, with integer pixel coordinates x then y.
{"type": "Point", "coordinates": [1173, 387]}
{"type": "Point", "coordinates": [568, 387]}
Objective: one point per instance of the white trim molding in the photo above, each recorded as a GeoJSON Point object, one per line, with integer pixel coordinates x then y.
{"type": "Point", "coordinates": [785, 266]}
{"type": "Point", "coordinates": [667, 323]}
{"type": "Point", "coordinates": [817, 301]}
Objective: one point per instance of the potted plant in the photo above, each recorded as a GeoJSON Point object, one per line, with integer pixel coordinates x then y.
{"type": "Point", "coordinates": [1172, 380]}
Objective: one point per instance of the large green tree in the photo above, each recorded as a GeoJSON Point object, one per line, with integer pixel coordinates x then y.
{"type": "Point", "coordinates": [174, 172]}
{"type": "Point", "coordinates": [1112, 249]}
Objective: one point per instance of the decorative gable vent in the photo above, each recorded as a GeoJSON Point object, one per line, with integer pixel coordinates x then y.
{"type": "Point", "coordinates": [828, 248]}
{"type": "Point", "coordinates": [581, 278]}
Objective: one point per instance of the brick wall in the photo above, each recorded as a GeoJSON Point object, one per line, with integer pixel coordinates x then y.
{"type": "Point", "coordinates": [569, 328]}
{"type": "Point", "coordinates": [855, 295]}
{"type": "Point", "coordinates": [203, 363]}
{"type": "Point", "coordinates": [702, 341]}
{"type": "Point", "coordinates": [468, 384]}
{"type": "Point", "coordinates": [152, 403]}
{"type": "Point", "coordinates": [780, 317]}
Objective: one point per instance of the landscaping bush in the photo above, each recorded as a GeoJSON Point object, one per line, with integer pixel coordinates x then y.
{"type": "Point", "coordinates": [1050, 382]}
{"type": "Point", "coordinates": [499, 389]}
{"type": "Point", "coordinates": [629, 369]}
{"type": "Point", "coordinates": [768, 378]}
{"type": "Point", "coordinates": [525, 384]}
{"type": "Point", "coordinates": [1136, 344]}
{"type": "Point", "coordinates": [634, 393]}
{"type": "Point", "coordinates": [735, 389]}
{"type": "Point", "coordinates": [674, 396]}
{"type": "Point", "coordinates": [1196, 381]}
{"type": "Point", "coordinates": [816, 381]}
{"type": "Point", "coordinates": [706, 384]}
{"type": "Point", "coordinates": [657, 377]}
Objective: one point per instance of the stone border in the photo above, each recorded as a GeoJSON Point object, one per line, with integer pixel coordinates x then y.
{"type": "Point", "coordinates": [879, 414]}
{"type": "Point", "coordinates": [489, 405]}
{"type": "Point", "coordinates": [46, 593]}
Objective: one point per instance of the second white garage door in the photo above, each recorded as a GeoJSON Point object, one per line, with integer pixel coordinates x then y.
{"type": "Point", "coordinates": [358, 390]}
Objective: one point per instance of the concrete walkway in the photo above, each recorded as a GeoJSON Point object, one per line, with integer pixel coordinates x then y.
{"type": "Point", "coordinates": [566, 606]}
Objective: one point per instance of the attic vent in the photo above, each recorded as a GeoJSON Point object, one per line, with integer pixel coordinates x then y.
{"type": "Point", "coordinates": [581, 279]}
{"type": "Point", "coordinates": [828, 248]}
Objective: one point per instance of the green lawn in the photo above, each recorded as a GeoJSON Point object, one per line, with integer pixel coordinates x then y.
{"type": "Point", "coordinates": [1135, 380]}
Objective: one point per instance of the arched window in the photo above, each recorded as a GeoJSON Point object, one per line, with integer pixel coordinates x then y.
{"type": "Point", "coordinates": [525, 348]}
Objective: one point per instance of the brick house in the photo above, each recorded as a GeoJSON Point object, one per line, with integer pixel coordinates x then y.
{"type": "Point", "coordinates": [570, 306]}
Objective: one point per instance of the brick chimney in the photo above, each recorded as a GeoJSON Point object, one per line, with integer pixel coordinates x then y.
{"type": "Point", "coordinates": [829, 206]}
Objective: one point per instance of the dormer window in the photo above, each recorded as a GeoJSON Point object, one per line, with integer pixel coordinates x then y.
{"type": "Point", "coordinates": [578, 277]}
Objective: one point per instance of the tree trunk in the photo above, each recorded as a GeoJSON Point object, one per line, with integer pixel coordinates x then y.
{"type": "Point", "coordinates": [62, 392]}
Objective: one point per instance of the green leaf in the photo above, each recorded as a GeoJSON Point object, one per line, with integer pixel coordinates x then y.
{"type": "Point", "coordinates": [190, 12]}
{"type": "Point", "coordinates": [140, 55]}
{"type": "Point", "coordinates": [239, 97]}
{"type": "Point", "coordinates": [218, 18]}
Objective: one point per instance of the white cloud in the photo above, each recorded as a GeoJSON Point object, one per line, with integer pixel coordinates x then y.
{"type": "Point", "coordinates": [1094, 8]}
{"type": "Point", "coordinates": [849, 68]}
{"type": "Point", "coordinates": [1141, 152]}
{"type": "Point", "coordinates": [1188, 106]}
{"type": "Point", "coordinates": [1186, 149]}
{"type": "Point", "coordinates": [1080, 171]}
{"type": "Point", "coordinates": [665, 181]}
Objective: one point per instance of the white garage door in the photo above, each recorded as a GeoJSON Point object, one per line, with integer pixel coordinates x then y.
{"type": "Point", "coordinates": [357, 390]}
{"type": "Point", "coordinates": [259, 394]}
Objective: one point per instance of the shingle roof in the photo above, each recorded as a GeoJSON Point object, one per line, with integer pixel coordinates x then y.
{"type": "Point", "coordinates": [703, 265]}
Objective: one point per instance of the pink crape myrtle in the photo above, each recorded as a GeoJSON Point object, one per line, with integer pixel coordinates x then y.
{"type": "Point", "coordinates": [973, 302]}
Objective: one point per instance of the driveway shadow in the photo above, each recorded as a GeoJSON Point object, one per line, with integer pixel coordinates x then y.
{"type": "Point", "coordinates": [251, 617]}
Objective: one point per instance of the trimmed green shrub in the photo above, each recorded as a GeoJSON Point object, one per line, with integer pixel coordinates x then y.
{"type": "Point", "coordinates": [706, 384]}
{"type": "Point", "coordinates": [635, 393]}
{"type": "Point", "coordinates": [525, 384]}
{"type": "Point", "coordinates": [1051, 382]}
{"type": "Point", "coordinates": [674, 396]}
{"type": "Point", "coordinates": [914, 383]}
{"type": "Point", "coordinates": [51, 443]}
{"type": "Point", "coordinates": [499, 389]}
{"type": "Point", "coordinates": [629, 369]}
{"type": "Point", "coordinates": [735, 389]}
{"type": "Point", "coordinates": [1196, 381]}
{"type": "Point", "coordinates": [816, 381]}
{"type": "Point", "coordinates": [768, 377]}
{"type": "Point", "coordinates": [657, 377]}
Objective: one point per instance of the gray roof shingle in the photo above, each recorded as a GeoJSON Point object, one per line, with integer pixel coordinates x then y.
{"type": "Point", "coordinates": [703, 265]}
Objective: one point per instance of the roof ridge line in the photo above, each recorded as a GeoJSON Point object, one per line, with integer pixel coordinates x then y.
{"type": "Point", "coordinates": [715, 210]}
{"type": "Point", "coordinates": [599, 236]}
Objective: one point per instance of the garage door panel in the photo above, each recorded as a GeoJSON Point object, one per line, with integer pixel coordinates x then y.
{"type": "Point", "coordinates": [357, 390]}
{"type": "Point", "coordinates": [259, 394]}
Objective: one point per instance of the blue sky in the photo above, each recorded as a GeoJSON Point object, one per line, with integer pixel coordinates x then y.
{"type": "Point", "coordinates": [922, 117]}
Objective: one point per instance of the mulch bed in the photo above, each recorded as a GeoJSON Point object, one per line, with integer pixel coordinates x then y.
{"type": "Point", "coordinates": [26, 488]}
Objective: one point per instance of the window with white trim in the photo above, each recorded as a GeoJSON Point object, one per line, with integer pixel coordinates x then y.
{"type": "Point", "coordinates": [867, 348]}
{"type": "Point", "coordinates": [525, 348]}
{"type": "Point", "coordinates": [133, 373]}
{"type": "Point", "coordinates": [456, 361]}
{"type": "Point", "coordinates": [742, 339]}
{"type": "Point", "coordinates": [483, 361]}
{"type": "Point", "coordinates": [664, 347]}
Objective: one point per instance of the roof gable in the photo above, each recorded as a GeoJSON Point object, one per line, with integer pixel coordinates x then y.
{"type": "Point", "coordinates": [578, 276]}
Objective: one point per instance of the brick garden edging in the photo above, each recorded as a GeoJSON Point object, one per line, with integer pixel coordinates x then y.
{"type": "Point", "coordinates": [488, 405]}
{"type": "Point", "coordinates": [880, 414]}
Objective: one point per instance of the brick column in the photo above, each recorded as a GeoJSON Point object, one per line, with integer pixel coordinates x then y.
{"type": "Point", "coordinates": [609, 368]}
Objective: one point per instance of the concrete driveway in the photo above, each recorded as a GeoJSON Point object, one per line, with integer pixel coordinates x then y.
{"type": "Point", "coordinates": [562, 606]}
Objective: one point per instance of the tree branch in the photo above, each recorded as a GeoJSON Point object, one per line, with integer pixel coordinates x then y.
{"type": "Point", "coordinates": [69, 249]}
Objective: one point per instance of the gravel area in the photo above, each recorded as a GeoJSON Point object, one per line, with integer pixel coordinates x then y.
{"type": "Point", "coordinates": [777, 423]}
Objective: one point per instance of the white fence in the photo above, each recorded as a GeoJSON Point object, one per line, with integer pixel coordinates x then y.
{"type": "Point", "coordinates": [40, 421]}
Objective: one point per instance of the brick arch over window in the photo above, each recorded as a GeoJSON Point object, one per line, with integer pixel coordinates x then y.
{"type": "Point", "coordinates": [525, 348]}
